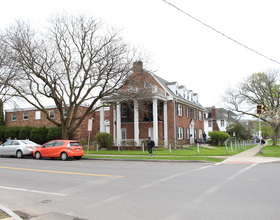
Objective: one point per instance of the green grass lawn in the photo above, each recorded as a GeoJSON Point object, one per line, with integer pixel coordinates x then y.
{"type": "Point", "coordinates": [271, 151]}
{"type": "Point", "coordinates": [191, 153]}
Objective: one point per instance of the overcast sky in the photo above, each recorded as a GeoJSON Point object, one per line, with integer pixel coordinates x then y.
{"type": "Point", "coordinates": [181, 49]}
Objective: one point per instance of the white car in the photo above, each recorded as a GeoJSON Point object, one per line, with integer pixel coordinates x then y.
{"type": "Point", "coordinates": [18, 148]}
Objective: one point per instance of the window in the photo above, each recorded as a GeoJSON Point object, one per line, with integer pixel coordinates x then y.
{"type": "Point", "coordinates": [194, 114]}
{"type": "Point", "coordinates": [124, 111]}
{"type": "Point", "coordinates": [37, 115]}
{"type": "Point", "coordinates": [179, 110]}
{"type": "Point", "coordinates": [180, 133]}
{"type": "Point", "coordinates": [191, 113]}
{"type": "Point", "coordinates": [51, 113]}
{"type": "Point", "coordinates": [222, 123]}
{"type": "Point", "coordinates": [199, 115]}
{"type": "Point", "coordinates": [187, 112]}
{"type": "Point", "coordinates": [147, 84]}
{"type": "Point", "coordinates": [14, 117]}
{"type": "Point", "coordinates": [50, 144]}
{"type": "Point", "coordinates": [59, 143]}
{"type": "Point", "coordinates": [25, 116]}
{"type": "Point", "coordinates": [209, 124]}
{"type": "Point", "coordinates": [123, 133]}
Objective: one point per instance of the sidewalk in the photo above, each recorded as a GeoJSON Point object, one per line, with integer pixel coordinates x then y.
{"type": "Point", "coordinates": [251, 156]}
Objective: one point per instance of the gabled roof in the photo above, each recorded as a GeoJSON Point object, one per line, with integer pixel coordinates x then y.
{"type": "Point", "coordinates": [221, 114]}
{"type": "Point", "coordinates": [165, 84]}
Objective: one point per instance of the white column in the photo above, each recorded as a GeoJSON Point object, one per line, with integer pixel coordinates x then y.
{"type": "Point", "coordinates": [115, 124]}
{"type": "Point", "coordinates": [136, 123]}
{"type": "Point", "coordinates": [102, 126]}
{"type": "Point", "coordinates": [165, 121]}
{"type": "Point", "coordinates": [118, 126]}
{"type": "Point", "coordinates": [155, 121]}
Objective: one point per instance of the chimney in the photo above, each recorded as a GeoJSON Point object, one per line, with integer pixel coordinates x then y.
{"type": "Point", "coordinates": [213, 112]}
{"type": "Point", "coordinates": [137, 66]}
{"type": "Point", "coordinates": [214, 122]}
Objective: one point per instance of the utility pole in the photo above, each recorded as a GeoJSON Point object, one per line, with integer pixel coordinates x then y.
{"type": "Point", "coordinates": [260, 110]}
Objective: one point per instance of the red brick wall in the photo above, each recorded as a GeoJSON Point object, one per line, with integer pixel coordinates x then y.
{"type": "Point", "coordinates": [80, 133]}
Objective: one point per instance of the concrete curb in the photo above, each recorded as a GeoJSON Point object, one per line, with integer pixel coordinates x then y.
{"type": "Point", "coordinates": [10, 213]}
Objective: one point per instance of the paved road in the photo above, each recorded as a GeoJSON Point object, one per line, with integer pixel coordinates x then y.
{"type": "Point", "coordinates": [89, 189]}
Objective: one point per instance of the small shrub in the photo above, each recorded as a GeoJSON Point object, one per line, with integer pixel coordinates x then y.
{"type": "Point", "coordinates": [123, 143]}
{"type": "Point", "coordinates": [181, 142]}
{"type": "Point", "coordinates": [218, 137]}
{"type": "Point", "coordinates": [131, 143]}
{"type": "Point", "coordinates": [160, 142]}
{"type": "Point", "coordinates": [145, 142]}
{"type": "Point", "coordinates": [104, 140]}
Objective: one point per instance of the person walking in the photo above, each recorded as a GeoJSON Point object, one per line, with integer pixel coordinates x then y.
{"type": "Point", "coordinates": [150, 146]}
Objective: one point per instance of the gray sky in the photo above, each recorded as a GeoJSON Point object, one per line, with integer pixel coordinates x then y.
{"type": "Point", "coordinates": [181, 48]}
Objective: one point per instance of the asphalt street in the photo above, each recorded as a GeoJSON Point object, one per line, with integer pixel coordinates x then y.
{"type": "Point", "coordinates": [91, 189]}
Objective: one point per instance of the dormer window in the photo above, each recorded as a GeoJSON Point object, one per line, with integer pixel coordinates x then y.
{"type": "Point", "coordinates": [147, 84]}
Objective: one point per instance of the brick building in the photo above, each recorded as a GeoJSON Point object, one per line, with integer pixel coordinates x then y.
{"type": "Point", "coordinates": [164, 111]}
{"type": "Point", "coordinates": [34, 117]}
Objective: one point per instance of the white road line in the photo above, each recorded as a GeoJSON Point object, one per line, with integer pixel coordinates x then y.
{"type": "Point", "coordinates": [33, 191]}
{"type": "Point", "coordinates": [193, 204]}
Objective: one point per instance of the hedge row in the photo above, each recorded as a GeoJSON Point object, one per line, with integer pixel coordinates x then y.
{"type": "Point", "coordinates": [39, 135]}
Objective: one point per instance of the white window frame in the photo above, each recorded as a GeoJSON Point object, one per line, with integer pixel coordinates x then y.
{"type": "Point", "coordinates": [209, 124]}
{"type": "Point", "coordinates": [123, 133]}
{"type": "Point", "coordinates": [199, 115]}
{"type": "Point", "coordinates": [187, 111]}
{"type": "Point", "coordinates": [25, 116]}
{"type": "Point", "coordinates": [222, 123]}
{"type": "Point", "coordinates": [180, 133]}
{"type": "Point", "coordinates": [51, 114]}
{"type": "Point", "coordinates": [37, 115]}
{"type": "Point", "coordinates": [179, 110]}
{"type": "Point", "coordinates": [13, 117]}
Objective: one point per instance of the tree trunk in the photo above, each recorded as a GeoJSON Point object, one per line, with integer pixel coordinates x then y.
{"type": "Point", "coordinates": [64, 132]}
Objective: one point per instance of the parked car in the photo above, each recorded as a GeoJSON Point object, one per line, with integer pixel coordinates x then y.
{"type": "Point", "coordinates": [60, 149]}
{"type": "Point", "coordinates": [18, 148]}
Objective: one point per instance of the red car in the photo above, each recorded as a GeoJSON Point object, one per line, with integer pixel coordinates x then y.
{"type": "Point", "coordinates": [59, 148]}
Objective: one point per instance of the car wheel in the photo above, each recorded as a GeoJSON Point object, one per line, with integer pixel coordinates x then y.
{"type": "Point", "coordinates": [78, 158]}
{"type": "Point", "coordinates": [37, 155]}
{"type": "Point", "coordinates": [19, 154]}
{"type": "Point", "coordinates": [64, 156]}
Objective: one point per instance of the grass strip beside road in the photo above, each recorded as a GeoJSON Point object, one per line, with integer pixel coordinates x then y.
{"type": "Point", "coordinates": [3, 215]}
{"type": "Point", "coordinates": [208, 154]}
{"type": "Point", "coordinates": [166, 158]}
{"type": "Point", "coordinates": [271, 151]}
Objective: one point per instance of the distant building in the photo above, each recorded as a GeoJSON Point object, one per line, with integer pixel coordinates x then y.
{"type": "Point", "coordinates": [217, 119]}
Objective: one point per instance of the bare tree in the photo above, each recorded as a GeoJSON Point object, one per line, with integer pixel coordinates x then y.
{"type": "Point", "coordinates": [75, 62]}
{"type": "Point", "coordinates": [258, 89]}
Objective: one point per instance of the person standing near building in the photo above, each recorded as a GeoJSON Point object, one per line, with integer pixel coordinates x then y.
{"type": "Point", "coordinates": [150, 146]}
{"type": "Point", "coordinates": [204, 137]}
